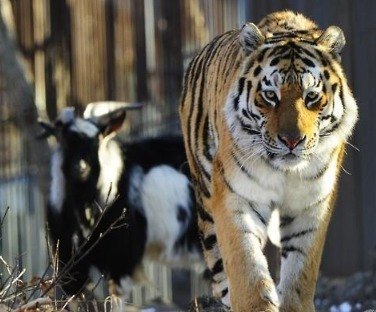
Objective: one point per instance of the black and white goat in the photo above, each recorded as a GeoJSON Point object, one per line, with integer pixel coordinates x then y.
{"type": "Point", "coordinates": [91, 165]}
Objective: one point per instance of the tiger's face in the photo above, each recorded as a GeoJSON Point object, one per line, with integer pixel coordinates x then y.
{"type": "Point", "coordinates": [289, 103]}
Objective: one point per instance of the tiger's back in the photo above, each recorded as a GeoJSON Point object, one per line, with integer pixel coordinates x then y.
{"type": "Point", "coordinates": [266, 112]}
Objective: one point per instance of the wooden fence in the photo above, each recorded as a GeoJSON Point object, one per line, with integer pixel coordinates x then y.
{"type": "Point", "coordinates": [82, 51]}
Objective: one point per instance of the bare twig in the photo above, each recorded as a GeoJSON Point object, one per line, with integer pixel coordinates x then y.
{"type": "Point", "coordinates": [3, 218]}
{"type": "Point", "coordinates": [37, 286]}
{"type": "Point", "coordinates": [97, 283]}
{"type": "Point", "coordinates": [33, 304]}
{"type": "Point", "coordinates": [78, 256]}
{"type": "Point", "coordinates": [67, 302]}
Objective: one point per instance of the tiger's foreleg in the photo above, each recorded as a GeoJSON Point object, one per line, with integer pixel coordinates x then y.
{"type": "Point", "coordinates": [302, 240]}
{"type": "Point", "coordinates": [241, 238]}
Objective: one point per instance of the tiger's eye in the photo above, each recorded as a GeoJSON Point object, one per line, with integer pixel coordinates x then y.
{"type": "Point", "coordinates": [312, 95]}
{"type": "Point", "coordinates": [269, 94]}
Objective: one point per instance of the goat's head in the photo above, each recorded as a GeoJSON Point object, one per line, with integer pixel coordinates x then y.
{"type": "Point", "coordinates": [79, 138]}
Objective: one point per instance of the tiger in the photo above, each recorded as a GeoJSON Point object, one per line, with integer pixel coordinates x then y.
{"type": "Point", "coordinates": [266, 113]}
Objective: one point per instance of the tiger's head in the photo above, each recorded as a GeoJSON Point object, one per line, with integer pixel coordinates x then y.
{"type": "Point", "coordinates": [291, 102]}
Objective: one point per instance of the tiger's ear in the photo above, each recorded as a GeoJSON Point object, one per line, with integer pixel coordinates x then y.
{"type": "Point", "coordinates": [250, 38]}
{"type": "Point", "coordinates": [334, 40]}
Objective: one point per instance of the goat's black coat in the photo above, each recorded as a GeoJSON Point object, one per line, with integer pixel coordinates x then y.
{"type": "Point", "coordinates": [118, 253]}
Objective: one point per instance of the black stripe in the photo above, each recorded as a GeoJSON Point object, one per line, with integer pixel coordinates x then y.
{"type": "Point", "coordinates": [304, 50]}
{"type": "Point", "coordinates": [202, 63]}
{"type": "Point", "coordinates": [204, 189]}
{"type": "Point", "coordinates": [342, 97]}
{"type": "Point", "coordinates": [287, 249]}
{"type": "Point", "coordinates": [244, 170]}
{"type": "Point", "coordinates": [266, 81]}
{"type": "Point", "coordinates": [261, 218]}
{"type": "Point", "coordinates": [249, 87]}
{"type": "Point", "coordinates": [333, 119]}
{"type": "Point", "coordinates": [297, 234]}
{"type": "Point", "coordinates": [209, 54]}
{"type": "Point", "coordinates": [330, 130]}
{"type": "Point", "coordinates": [334, 87]}
{"type": "Point", "coordinates": [240, 90]}
{"type": "Point", "coordinates": [250, 115]}
{"type": "Point", "coordinates": [274, 61]}
{"type": "Point", "coordinates": [259, 87]}
{"type": "Point", "coordinates": [205, 139]}
{"type": "Point", "coordinates": [278, 51]}
{"type": "Point", "coordinates": [308, 62]}
{"type": "Point", "coordinates": [209, 242]}
{"type": "Point", "coordinates": [326, 117]}
{"type": "Point", "coordinates": [246, 128]}
{"type": "Point", "coordinates": [217, 267]}
{"type": "Point", "coordinates": [246, 114]}
{"type": "Point", "coordinates": [257, 71]}
{"type": "Point", "coordinates": [285, 221]}
{"type": "Point", "coordinates": [185, 83]}
{"type": "Point", "coordinates": [193, 84]}
{"type": "Point", "coordinates": [318, 202]}
{"type": "Point", "coordinates": [322, 59]}
{"type": "Point", "coordinates": [283, 38]}
{"type": "Point", "coordinates": [296, 32]}
{"type": "Point", "coordinates": [204, 215]}
{"type": "Point", "coordinates": [261, 55]}
{"type": "Point", "coordinates": [255, 116]}
{"type": "Point", "coordinates": [249, 66]}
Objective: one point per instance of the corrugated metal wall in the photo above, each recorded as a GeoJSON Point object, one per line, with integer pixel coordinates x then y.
{"type": "Point", "coordinates": [83, 51]}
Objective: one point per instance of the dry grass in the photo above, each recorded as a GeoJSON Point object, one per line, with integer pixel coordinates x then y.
{"type": "Point", "coordinates": [40, 293]}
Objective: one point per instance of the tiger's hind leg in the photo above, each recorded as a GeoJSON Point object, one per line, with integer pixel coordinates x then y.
{"type": "Point", "coordinates": [212, 255]}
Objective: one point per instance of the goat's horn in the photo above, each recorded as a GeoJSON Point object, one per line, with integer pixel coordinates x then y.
{"type": "Point", "coordinates": [97, 109]}
{"type": "Point", "coordinates": [48, 129]}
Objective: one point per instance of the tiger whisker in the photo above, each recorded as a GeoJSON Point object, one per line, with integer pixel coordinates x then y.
{"type": "Point", "coordinates": [353, 146]}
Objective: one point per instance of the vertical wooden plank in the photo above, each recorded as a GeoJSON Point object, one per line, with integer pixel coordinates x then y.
{"type": "Point", "coordinates": [58, 65]}
{"type": "Point", "coordinates": [172, 73]}
{"type": "Point", "coordinates": [88, 51]}
{"type": "Point", "coordinates": [109, 45]}
{"type": "Point", "coordinates": [124, 51]}
{"type": "Point", "coordinates": [41, 32]}
{"type": "Point", "coordinates": [139, 46]}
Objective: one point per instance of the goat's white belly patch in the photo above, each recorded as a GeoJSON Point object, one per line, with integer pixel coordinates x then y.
{"type": "Point", "coordinates": [164, 191]}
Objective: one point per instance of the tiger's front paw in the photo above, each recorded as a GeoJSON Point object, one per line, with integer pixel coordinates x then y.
{"type": "Point", "coordinates": [268, 293]}
{"type": "Point", "coordinates": [261, 296]}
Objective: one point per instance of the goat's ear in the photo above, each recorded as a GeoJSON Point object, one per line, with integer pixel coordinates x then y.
{"type": "Point", "coordinates": [111, 122]}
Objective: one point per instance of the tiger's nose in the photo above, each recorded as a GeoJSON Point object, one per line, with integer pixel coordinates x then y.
{"type": "Point", "coordinates": [291, 140]}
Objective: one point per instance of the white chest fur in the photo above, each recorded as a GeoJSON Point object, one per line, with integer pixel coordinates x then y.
{"type": "Point", "coordinates": [289, 191]}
